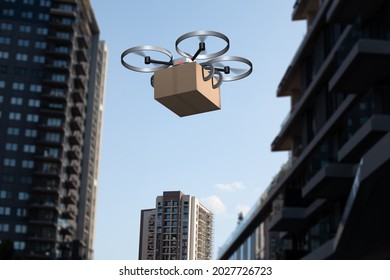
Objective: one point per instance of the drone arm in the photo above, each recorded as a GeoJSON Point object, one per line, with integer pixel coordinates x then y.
{"type": "Point", "coordinates": [202, 47]}
{"type": "Point", "coordinates": [148, 60]}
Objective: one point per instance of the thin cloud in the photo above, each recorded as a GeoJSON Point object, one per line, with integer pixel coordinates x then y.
{"type": "Point", "coordinates": [214, 204]}
{"type": "Point", "coordinates": [230, 187]}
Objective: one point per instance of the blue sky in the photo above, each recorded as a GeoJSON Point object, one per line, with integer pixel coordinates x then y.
{"type": "Point", "coordinates": [222, 157]}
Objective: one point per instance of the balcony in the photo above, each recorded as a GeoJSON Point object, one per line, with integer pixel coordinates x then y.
{"type": "Point", "coordinates": [80, 83]}
{"type": "Point", "coordinates": [75, 153]}
{"type": "Point", "coordinates": [348, 11]}
{"type": "Point", "coordinates": [45, 204]}
{"type": "Point", "coordinates": [79, 96]}
{"type": "Point", "coordinates": [74, 167]}
{"type": "Point", "coordinates": [46, 189]}
{"type": "Point", "coordinates": [81, 68]}
{"type": "Point", "coordinates": [70, 212]}
{"type": "Point", "coordinates": [52, 82]}
{"type": "Point", "coordinates": [83, 42]}
{"type": "Point", "coordinates": [76, 139]}
{"type": "Point", "coordinates": [373, 130]}
{"type": "Point", "coordinates": [77, 124]}
{"type": "Point", "coordinates": [55, 96]}
{"type": "Point", "coordinates": [287, 219]}
{"type": "Point", "coordinates": [62, 12]}
{"type": "Point", "coordinates": [78, 110]}
{"type": "Point", "coordinates": [71, 197]}
{"type": "Point", "coordinates": [332, 181]}
{"type": "Point", "coordinates": [73, 182]}
{"type": "Point", "coordinates": [305, 9]}
{"type": "Point", "coordinates": [62, 23]}
{"type": "Point", "coordinates": [365, 65]}
{"type": "Point", "coordinates": [81, 55]}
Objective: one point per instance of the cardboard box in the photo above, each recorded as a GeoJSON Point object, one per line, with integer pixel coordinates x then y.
{"type": "Point", "coordinates": [182, 90]}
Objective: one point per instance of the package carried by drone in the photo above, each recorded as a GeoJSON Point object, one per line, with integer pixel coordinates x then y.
{"type": "Point", "coordinates": [185, 86]}
{"type": "Point", "coordinates": [184, 91]}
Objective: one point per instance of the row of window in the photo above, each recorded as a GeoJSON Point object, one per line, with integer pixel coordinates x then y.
{"type": "Point", "coordinates": [23, 43]}
{"type": "Point", "coordinates": [11, 162]}
{"type": "Point", "coordinates": [23, 57]}
{"type": "Point", "coordinates": [21, 86]}
{"type": "Point", "coordinates": [4, 194]}
{"type": "Point", "coordinates": [18, 228]}
{"type": "Point", "coordinates": [9, 178]}
{"type": "Point", "coordinates": [42, 3]}
{"type": "Point", "coordinates": [14, 147]}
{"type": "Point", "coordinates": [26, 14]}
{"type": "Point", "coordinates": [16, 116]}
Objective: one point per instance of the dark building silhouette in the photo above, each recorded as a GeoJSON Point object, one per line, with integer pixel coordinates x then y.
{"type": "Point", "coordinates": [52, 72]}
{"type": "Point", "coordinates": [330, 200]}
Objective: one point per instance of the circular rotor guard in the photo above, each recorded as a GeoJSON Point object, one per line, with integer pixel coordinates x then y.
{"type": "Point", "coordinates": [217, 62]}
{"type": "Point", "coordinates": [139, 50]}
{"type": "Point", "coordinates": [203, 34]}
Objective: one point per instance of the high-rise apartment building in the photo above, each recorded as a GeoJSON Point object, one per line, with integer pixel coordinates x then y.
{"type": "Point", "coordinates": [179, 228]}
{"type": "Point", "coordinates": [52, 74]}
{"type": "Point", "coordinates": [330, 200]}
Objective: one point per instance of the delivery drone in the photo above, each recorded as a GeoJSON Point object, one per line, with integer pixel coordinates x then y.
{"type": "Point", "coordinates": [183, 85]}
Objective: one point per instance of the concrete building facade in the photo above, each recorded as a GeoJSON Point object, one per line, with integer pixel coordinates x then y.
{"type": "Point", "coordinates": [52, 75]}
{"type": "Point", "coordinates": [329, 201]}
{"type": "Point", "coordinates": [179, 228]}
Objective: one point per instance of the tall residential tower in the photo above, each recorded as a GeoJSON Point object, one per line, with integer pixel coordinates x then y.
{"type": "Point", "coordinates": [331, 199]}
{"type": "Point", "coordinates": [179, 228]}
{"type": "Point", "coordinates": [52, 74]}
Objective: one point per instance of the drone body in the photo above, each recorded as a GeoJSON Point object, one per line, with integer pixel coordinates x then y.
{"type": "Point", "coordinates": [183, 85]}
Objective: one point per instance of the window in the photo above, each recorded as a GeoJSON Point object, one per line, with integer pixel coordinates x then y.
{"type": "Point", "coordinates": [26, 180]}
{"type": "Point", "coordinates": [25, 28]}
{"type": "Point", "coordinates": [45, 3]}
{"type": "Point", "coordinates": [58, 77]}
{"type": "Point", "coordinates": [23, 196]}
{"type": "Point", "coordinates": [53, 137]}
{"type": "Point", "coordinates": [11, 147]}
{"type": "Point", "coordinates": [20, 71]}
{"type": "Point", "coordinates": [57, 92]}
{"type": "Point", "coordinates": [8, 12]}
{"type": "Point", "coordinates": [36, 73]}
{"type": "Point", "coordinates": [5, 211]}
{"type": "Point", "coordinates": [42, 31]}
{"type": "Point", "coordinates": [21, 212]}
{"type": "Point", "coordinates": [7, 178]}
{"type": "Point", "coordinates": [21, 56]}
{"type": "Point", "coordinates": [23, 43]}
{"type": "Point", "coordinates": [1, 99]}
{"type": "Point", "coordinates": [34, 102]}
{"type": "Point", "coordinates": [4, 227]}
{"type": "Point", "coordinates": [35, 88]}
{"type": "Point", "coordinates": [54, 122]}
{"type": "Point", "coordinates": [17, 86]}
{"type": "Point", "coordinates": [2, 85]}
{"type": "Point", "coordinates": [16, 101]}
{"type": "Point", "coordinates": [63, 35]}
{"type": "Point", "coordinates": [43, 16]}
{"type": "Point", "coordinates": [5, 194]}
{"type": "Point", "coordinates": [40, 45]}
{"type": "Point", "coordinates": [13, 131]}
{"type": "Point", "coordinates": [4, 55]}
{"type": "Point", "coordinates": [20, 228]}
{"type": "Point", "coordinates": [32, 118]}
{"type": "Point", "coordinates": [15, 116]}
{"type": "Point", "coordinates": [60, 63]}
{"type": "Point", "coordinates": [10, 162]}
{"type": "Point", "coordinates": [29, 148]}
{"type": "Point", "coordinates": [5, 40]}
{"type": "Point", "coordinates": [39, 59]}
{"type": "Point", "coordinates": [27, 14]}
{"type": "Point", "coordinates": [31, 133]}
{"type": "Point", "coordinates": [28, 164]}
{"type": "Point", "coordinates": [19, 245]}
{"type": "Point", "coordinates": [28, 2]}
{"type": "Point", "coordinates": [6, 26]}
